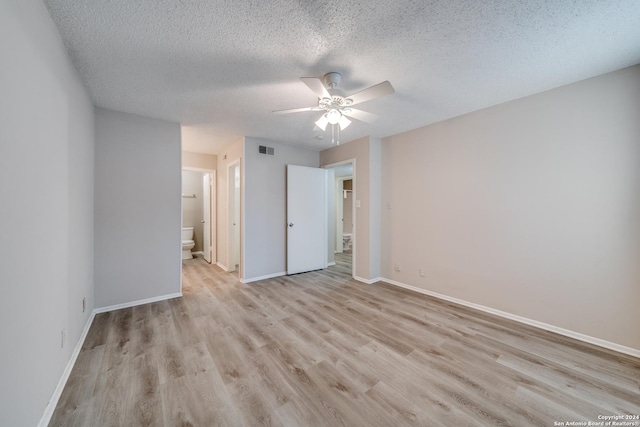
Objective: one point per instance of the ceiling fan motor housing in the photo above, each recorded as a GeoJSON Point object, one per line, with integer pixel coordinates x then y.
{"type": "Point", "coordinates": [332, 80]}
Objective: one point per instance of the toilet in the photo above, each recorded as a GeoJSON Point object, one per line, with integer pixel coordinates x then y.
{"type": "Point", "coordinates": [346, 241]}
{"type": "Point", "coordinates": [187, 242]}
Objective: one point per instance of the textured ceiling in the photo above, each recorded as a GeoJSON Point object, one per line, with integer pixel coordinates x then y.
{"type": "Point", "coordinates": [221, 67]}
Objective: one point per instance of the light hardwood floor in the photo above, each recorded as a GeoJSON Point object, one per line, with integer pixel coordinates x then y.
{"type": "Point", "coordinates": [319, 349]}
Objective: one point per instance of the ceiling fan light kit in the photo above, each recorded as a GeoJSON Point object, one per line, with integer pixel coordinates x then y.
{"type": "Point", "coordinates": [343, 122]}
{"type": "Point", "coordinates": [337, 108]}
{"type": "Point", "coordinates": [322, 122]}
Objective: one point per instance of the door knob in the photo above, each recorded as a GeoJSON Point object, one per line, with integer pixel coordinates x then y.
{"type": "Point", "coordinates": [202, 221]}
{"type": "Point", "coordinates": [290, 224]}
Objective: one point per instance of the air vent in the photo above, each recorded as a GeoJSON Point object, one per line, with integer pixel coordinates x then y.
{"type": "Point", "coordinates": [263, 149]}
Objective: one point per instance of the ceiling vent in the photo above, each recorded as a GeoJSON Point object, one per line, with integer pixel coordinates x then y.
{"type": "Point", "coordinates": [263, 149]}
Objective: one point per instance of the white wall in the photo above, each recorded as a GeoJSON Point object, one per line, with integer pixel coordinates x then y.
{"type": "Point", "coordinates": [46, 212]}
{"type": "Point", "coordinates": [530, 207]}
{"type": "Point", "coordinates": [375, 200]}
{"type": "Point", "coordinates": [137, 208]}
{"type": "Point", "coordinates": [265, 204]}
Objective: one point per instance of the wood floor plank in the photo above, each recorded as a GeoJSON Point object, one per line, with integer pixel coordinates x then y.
{"type": "Point", "coordinates": [320, 349]}
{"type": "Point", "coordinates": [74, 408]}
{"type": "Point", "coordinates": [398, 407]}
{"type": "Point", "coordinates": [338, 392]}
{"type": "Point", "coordinates": [145, 387]}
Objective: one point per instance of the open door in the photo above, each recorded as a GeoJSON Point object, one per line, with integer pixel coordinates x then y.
{"type": "Point", "coordinates": [207, 214]}
{"type": "Point", "coordinates": [306, 219]}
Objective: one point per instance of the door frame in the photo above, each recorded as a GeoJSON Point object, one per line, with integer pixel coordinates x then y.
{"type": "Point", "coordinates": [339, 196]}
{"type": "Point", "coordinates": [213, 218]}
{"type": "Point", "coordinates": [213, 230]}
{"type": "Point", "coordinates": [354, 197]}
{"type": "Point", "coordinates": [233, 164]}
{"type": "Point", "coordinates": [338, 185]}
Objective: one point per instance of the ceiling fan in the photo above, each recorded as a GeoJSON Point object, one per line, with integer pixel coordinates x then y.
{"type": "Point", "coordinates": [336, 107]}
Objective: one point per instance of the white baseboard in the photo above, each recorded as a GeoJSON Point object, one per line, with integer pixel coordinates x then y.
{"type": "Point", "coordinates": [566, 332]}
{"type": "Point", "coordinates": [331, 263]}
{"type": "Point", "coordinates": [367, 281]}
{"type": "Point", "coordinates": [138, 302]}
{"type": "Point", "coordinates": [222, 266]}
{"type": "Point", "coordinates": [197, 253]}
{"type": "Point", "coordinates": [53, 402]}
{"type": "Point", "coordinates": [268, 276]}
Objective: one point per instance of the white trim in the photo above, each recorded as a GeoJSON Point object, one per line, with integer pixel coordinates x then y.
{"type": "Point", "coordinates": [367, 281]}
{"type": "Point", "coordinates": [135, 303]}
{"type": "Point", "coordinates": [235, 163]}
{"type": "Point", "coordinates": [53, 402]}
{"type": "Point", "coordinates": [222, 266]}
{"type": "Point", "coordinates": [268, 276]}
{"type": "Point", "coordinates": [331, 263]}
{"type": "Point", "coordinates": [197, 253]}
{"type": "Point", "coordinates": [540, 325]}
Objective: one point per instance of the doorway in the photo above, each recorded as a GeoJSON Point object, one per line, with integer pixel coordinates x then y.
{"type": "Point", "coordinates": [198, 210]}
{"type": "Point", "coordinates": [344, 214]}
{"type": "Point", "coordinates": [342, 218]}
{"type": "Point", "coordinates": [233, 206]}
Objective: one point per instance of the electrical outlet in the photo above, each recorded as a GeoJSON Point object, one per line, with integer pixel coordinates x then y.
{"type": "Point", "coordinates": [63, 338]}
{"type": "Point", "coordinates": [422, 272]}
{"type": "Point", "coordinates": [84, 304]}
{"type": "Point", "coordinates": [396, 267]}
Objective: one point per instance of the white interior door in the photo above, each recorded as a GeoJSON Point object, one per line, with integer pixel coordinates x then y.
{"type": "Point", "coordinates": [306, 219]}
{"type": "Point", "coordinates": [207, 230]}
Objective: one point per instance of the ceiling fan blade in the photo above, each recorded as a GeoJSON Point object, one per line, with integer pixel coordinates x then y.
{"type": "Point", "coordinates": [297, 110]}
{"type": "Point", "coordinates": [363, 116]}
{"type": "Point", "coordinates": [373, 92]}
{"type": "Point", "coordinates": [316, 86]}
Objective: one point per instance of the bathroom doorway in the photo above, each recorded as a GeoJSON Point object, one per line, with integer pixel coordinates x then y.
{"type": "Point", "coordinates": [233, 206]}
{"type": "Point", "coordinates": [342, 218]}
{"type": "Point", "coordinates": [344, 214]}
{"type": "Point", "coordinates": [198, 210]}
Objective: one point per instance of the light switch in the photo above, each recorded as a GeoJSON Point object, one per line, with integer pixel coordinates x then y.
{"type": "Point", "coordinates": [357, 203]}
